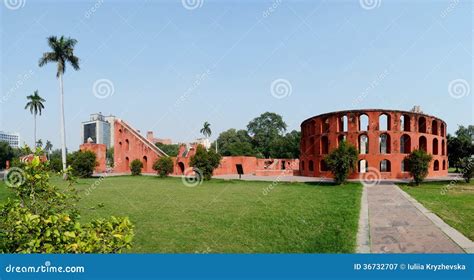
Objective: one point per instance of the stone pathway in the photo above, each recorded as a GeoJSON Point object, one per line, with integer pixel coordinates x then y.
{"type": "Point", "coordinates": [397, 226]}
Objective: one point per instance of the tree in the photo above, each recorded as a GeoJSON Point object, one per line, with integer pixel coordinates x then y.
{"type": "Point", "coordinates": [264, 130]}
{"type": "Point", "coordinates": [48, 147]}
{"type": "Point", "coordinates": [35, 105]}
{"type": "Point", "coordinates": [62, 53]}
{"type": "Point", "coordinates": [169, 149]}
{"type": "Point", "coordinates": [39, 144]}
{"type": "Point", "coordinates": [287, 146]}
{"type": "Point", "coordinates": [6, 153]}
{"type": "Point", "coordinates": [206, 130]}
{"type": "Point", "coordinates": [205, 161]}
{"type": "Point", "coordinates": [460, 146]}
{"type": "Point", "coordinates": [342, 161]}
{"type": "Point", "coordinates": [109, 154]}
{"type": "Point", "coordinates": [82, 163]}
{"type": "Point", "coordinates": [418, 164]}
{"type": "Point", "coordinates": [163, 166]}
{"type": "Point", "coordinates": [467, 165]}
{"type": "Point", "coordinates": [136, 167]}
{"type": "Point", "coordinates": [235, 143]}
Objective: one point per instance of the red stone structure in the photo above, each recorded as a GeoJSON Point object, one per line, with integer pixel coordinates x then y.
{"type": "Point", "coordinates": [383, 137]}
{"type": "Point", "coordinates": [100, 152]}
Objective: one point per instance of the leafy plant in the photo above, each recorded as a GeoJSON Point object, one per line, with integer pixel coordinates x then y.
{"type": "Point", "coordinates": [467, 165]}
{"type": "Point", "coordinates": [205, 161]}
{"type": "Point", "coordinates": [82, 163]}
{"type": "Point", "coordinates": [163, 166]}
{"type": "Point", "coordinates": [342, 161]}
{"type": "Point", "coordinates": [418, 164]}
{"type": "Point", "coordinates": [136, 167]}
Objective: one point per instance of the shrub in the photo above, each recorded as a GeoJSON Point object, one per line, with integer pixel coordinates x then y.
{"type": "Point", "coordinates": [55, 161]}
{"type": "Point", "coordinates": [82, 163]}
{"type": "Point", "coordinates": [163, 166]}
{"type": "Point", "coordinates": [205, 161]}
{"type": "Point", "coordinates": [136, 167]}
{"type": "Point", "coordinates": [44, 219]}
{"type": "Point", "coordinates": [342, 161]}
{"type": "Point", "coordinates": [418, 164]}
{"type": "Point", "coordinates": [467, 165]}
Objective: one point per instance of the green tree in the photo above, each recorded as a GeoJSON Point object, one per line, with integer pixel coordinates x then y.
{"type": "Point", "coordinates": [163, 166]}
{"type": "Point", "coordinates": [6, 153]}
{"type": "Point", "coordinates": [48, 147]}
{"type": "Point", "coordinates": [109, 154]}
{"type": "Point", "coordinates": [418, 164]}
{"type": "Point", "coordinates": [264, 130]}
{"type": "Point", "coordinates": [467, 165]}
{"type": "Point", "coordinates": [342, 161]}
{"type": "Point", "coordinates": [169, 149]}
{"type": "Point", "coordinates": [35, 105]}
{"type": "Point", "coordinates": [62, 52]}
{"type": "Point", "coordinates": [205, 161]}
{"type": "Point", "coordinates": [136, 167]}
{"type": "Point", "coordinates": [234, 143]}
{"type": "Point", "coordinates": [55, 163]}
{"type": "Point", "coordinates": [206, 130]}
{"type": "Point", "coordinates": [460, 146]}
{"type": "Point", "coordinates": [39, 144]}
{"type": "Point", "coordinates": [287, 146]}
{"type": "Point", "coordinates": [82, 163]}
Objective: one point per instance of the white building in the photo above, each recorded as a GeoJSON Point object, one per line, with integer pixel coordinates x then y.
{"type": "Point", "coordinates": [100, 129]}
{"type": "Point", "coordinates": [13, 139]}
{"type": "Point", "coordinates": [206, 143]}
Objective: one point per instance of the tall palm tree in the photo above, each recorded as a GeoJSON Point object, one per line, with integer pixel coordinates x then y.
{"type": "Point", "coordinates": [48, 147]}
{"type": "Point", "coordinates": [62, 52]}
{"type": "Point", "coordinates": [206, 130]}
{"type": "Point", "coordinates": [39, 143]}
{"type": "Point", "coordinates": [35, 104]}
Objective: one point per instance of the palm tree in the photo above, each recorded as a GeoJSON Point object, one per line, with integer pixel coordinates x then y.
{"type": "Point", "coordinates": [62, 51]}
{"type": "Point", "coordinates": [35, 104]}
{"type": "Point", "coordinates": [206, 130]}
{"type": "Point", "coordinates": [48, 147]}
{"type": "Point", "coordinates": [39, 143]}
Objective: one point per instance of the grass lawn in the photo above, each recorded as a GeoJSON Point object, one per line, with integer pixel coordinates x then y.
{"type": "Point", "coordinates": [226, 216]}
{"type": "Point", "coordinates": [456, 207]}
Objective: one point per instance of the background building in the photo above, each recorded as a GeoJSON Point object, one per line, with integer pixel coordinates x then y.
{"type": "Point", "coordinates": [99, 128]}
{"type": "Point", "coordinates": [13, 139]}
{"type": "Point", "coordinates": [151, 138]}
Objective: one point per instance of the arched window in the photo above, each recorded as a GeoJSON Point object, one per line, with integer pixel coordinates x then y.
{"type": "Point", "coordinates": [145, 163]}
{"type": "Point", "coordinates": [422, 124]}
{"type": "Point", "coordinates": [325, 125]}
{"type": "Point", "coordinates": [422, 144]}
{"type": "Point", "coordinates": [363, 122]}
{"type": "Point", "coordinates": [362, 166]}
{"type": "Point", "coordinates": [442, 129]}
{"type": "Point", "coordinates": [363, 144]}
{"type": "Point", "coordinates": [340, 139]}
{"type": "Point", "coordinates": [405, 167]}
{"type": "Point", "coordinates": [435, 146]}
{"type": "Point", "coordinates": [444, 164]}
{"type": "Point", "coordinates": [120, 130]}
{"type": "Point", "coordinates": [384, 144]}
{"type": "Point", "coordinates": [323, 166]}
{"type": "Point", "coordinates": [342, 124]}
{"type": "Point", "coordinates": [405, 144]}
{"type": "Point", "coordinates": [384, 122]}
{"type": "Point", "coordinates": [127, 163]}
{"type": "Point", "coordinates": [385, 166]}
{"type": "Point", "coordinates": [324, 145]}
{"type": "Point", "coordinates": [311, 165]}
{"type": "Point", "coordinates": [405, 123]}
{"type": "Point", "coordinates": [443, 148]}
{"type": "Point", "coordinates": [434, 127]}
{"type": "Point", "coordinates": [436, 165]}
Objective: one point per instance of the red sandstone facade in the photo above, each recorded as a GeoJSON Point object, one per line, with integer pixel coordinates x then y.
{"type": "Point", "coordinates": [383, 138]}
{"type": "Point", "coordinates": [100, 153]}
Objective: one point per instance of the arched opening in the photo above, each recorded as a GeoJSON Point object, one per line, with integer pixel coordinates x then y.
{"type": "Point", "coordinates": [384, 122]}
{"type": "Point", "coordinates": [342, 124]}
{"type": "Point", "coordinates": [323, 166]}
{"type": "Point", "coordinates": [436, 165]}
{"type": "Point", "coordinates": [422, 125]}
{"type": "Point", "coordinates": [385, 166]}
{"type": "Point", "coordinates": [443, 148]}
{"type": "Point", "coordinates": [363, 122]}
{"type": "Point", "coordinates": [120, 130]}
{"type": "Point", "coordinates": [444, 164]}
{"type": "Point", "coordinates": [434, 127]}
{"type": "Point", "coordinates": [341, 138]}
{"type": "Point", "coordinates": [324, 145]}
{"type": "Point", "coordinates": [127, 145]}
{"type": "Point", "coordinates": [362, 166]}
{"type": "Point", "coordinates": [311, 165]}
{"type": "Point", "coordinates": [405, 167]}
{"type": "Point", "coordinates": [405, 144]}
{"type": "Point", "coordinates": [325, 125]}
{"type": "Point", "coordinates": [435, 146]}
{"type": "Point", "coordinates": [405, 123]}
{"type": "Point", "coordinates": [363, 144]}
{"type": "Point", "coordinates": [145, 163]}
{"type": "Point", "coordinates": [181, 167]}
{"type": "Point", "coordinates": [384, 143]}
{"type": "Point", "coordinates": [442, 129]}
{"type": "Point", "coordinates": [422, 144]}
{"type": "Point", "coordinates": [127, 163]}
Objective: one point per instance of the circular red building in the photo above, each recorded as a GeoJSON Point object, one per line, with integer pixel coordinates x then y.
{"type": "Point", "coordinates": [383, 137]}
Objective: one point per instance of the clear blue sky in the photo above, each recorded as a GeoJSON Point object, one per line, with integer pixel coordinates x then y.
{"type": "Point", "coordinates": [335, 54]}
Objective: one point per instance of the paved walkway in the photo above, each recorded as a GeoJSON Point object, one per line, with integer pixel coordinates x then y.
{"type": "Point", "coordinates": [396, 225]}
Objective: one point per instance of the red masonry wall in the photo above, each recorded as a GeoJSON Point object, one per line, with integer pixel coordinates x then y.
{"type": "Point", "coordinates": [100, 152]}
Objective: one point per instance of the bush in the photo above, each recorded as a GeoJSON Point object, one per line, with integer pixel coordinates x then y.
{"type": "Point", "coordinates": [418, 164]}
{"type": "Point", "coordinates": [6, 153]}
{"type": "Point", "coordinates": [55, 161]}
{"type": "Point", "coordinates": [44, 219]}
{"type": "Point", "coordinates": [205, 161]}
{"type": "Point", "coordinates": [82, 163]}
{"type": "Point", "coordinates": [136, 167]}
{"type": "Point", "coordinates": [342, 161]}
{"type": "Point", "coordinates": [163, 166]}
{"type": "Point", "coordinates": [467, 165]}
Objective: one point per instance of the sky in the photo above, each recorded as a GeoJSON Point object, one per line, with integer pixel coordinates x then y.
{"type": "Point", "coordinates": [169, 66]}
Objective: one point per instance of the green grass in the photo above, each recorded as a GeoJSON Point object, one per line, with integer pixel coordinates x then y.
{"type": "Point", "coordinates": [455, 207]}
{"type": "Point", "coordinates": [227, 216]}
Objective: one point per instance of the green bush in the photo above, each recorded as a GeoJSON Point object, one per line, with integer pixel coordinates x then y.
{"type": "Point", "coordinates": [467, 168]}
{"type": "Point", "coordinates": [6, 153]}
{"type": "Point", "coordinates": [342, 161]}
{"type": "Point", "coordinates": [44, 219]}
{"type": "Point", "coordinates": [82, 163]}
{"type": "Point", "coordinates": [136, 167]}
{"type": "Point", "coordinates": [418, 164]}
{"type": "Point", "coordinates": [205, 161]}
{"type": "Point", "coordinates": [163, 166]}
